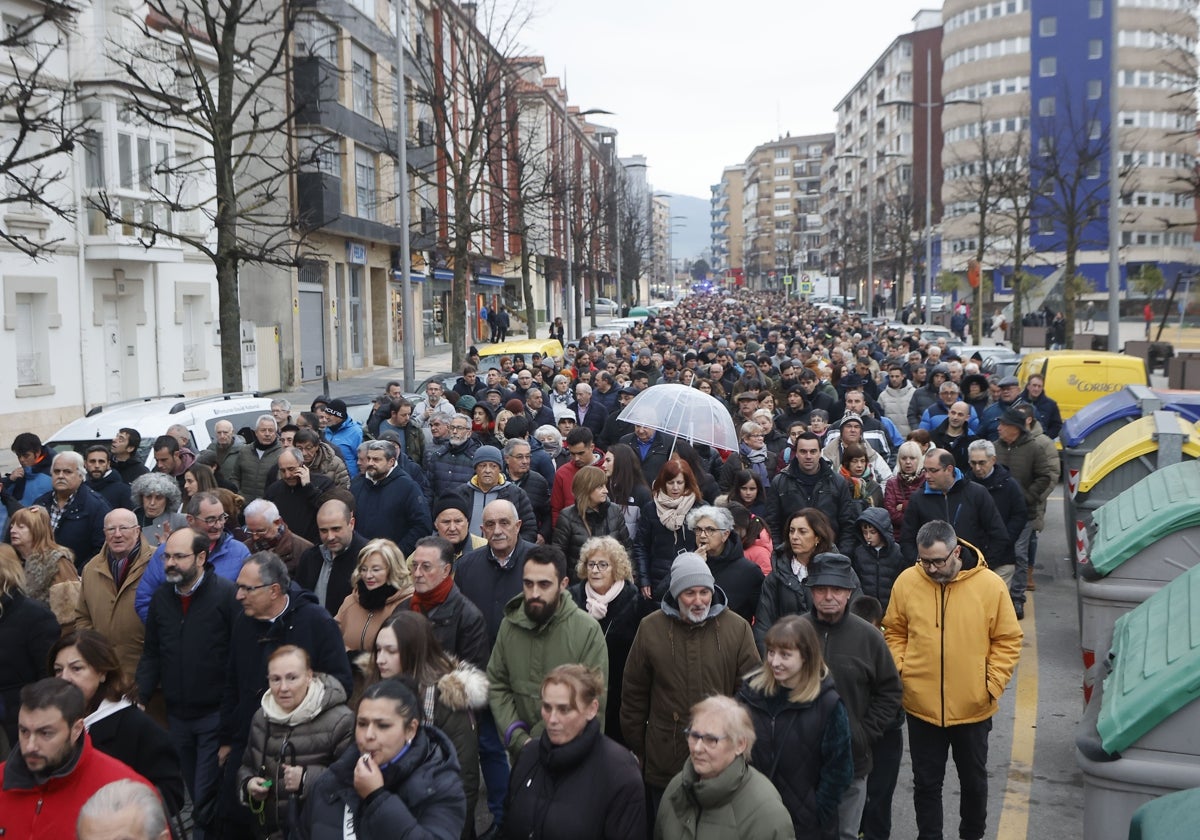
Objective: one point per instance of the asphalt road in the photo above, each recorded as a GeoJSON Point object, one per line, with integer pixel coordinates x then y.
{"type": "Point", "coordinates": [1035, 786]}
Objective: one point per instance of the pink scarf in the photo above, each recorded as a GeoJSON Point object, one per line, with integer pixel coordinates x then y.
{"type": "Point", "coordinates": [597, 604]}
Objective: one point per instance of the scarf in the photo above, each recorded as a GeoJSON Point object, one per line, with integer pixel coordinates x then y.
{"type": "Point", "coordinates": [374, 599]}
{"type": "Point", "coordinates": [673, 512]}
{"type": "Point", "coordinates": [757, 458]}
{"type": "Point", "coordinates": [307, 709]}
{"type": "Point", "coordinates": [856, 484]}
{"type": "Point", "coordinates": [597, 604]}
{"type": "Point", "coordinates": [40, 570]}
{"type": "Point", "coordinates": [435, 597]}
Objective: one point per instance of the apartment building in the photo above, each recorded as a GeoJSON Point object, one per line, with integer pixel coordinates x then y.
{"type": "Point", "coordinates": [728, 226]}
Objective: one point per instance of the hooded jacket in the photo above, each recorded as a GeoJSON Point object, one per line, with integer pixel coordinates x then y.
{"type": "Point", "coordinates": [38, 808]}
{"type": "Point", "coordinates": [589, 788]}
{"type": "Point", "coordinates": [830, 495]}
{"type": "Point", "coordinates": [738, 802]}
{"type": "Point", "coordinates": [113, 488]}
{"type": "Point", "coordinates": [1033, 462]}
{"type": "Point", "coordinates": [895, 402]}
{"type": "Point", "coordinates": [896, 493]}
{"type": "Point", "coordinates": [35, 480]}
{"type": "Point", "coordinates": [523, 654]}
{"type": "Point", "coordinates": [453, 705]}
{"type": "Point", "coordinates": [955, 644]}
{"type": "Point", "coordinates": [392, 507]}
{"type": "Point", "coordinates": [476, 499]}
{"type": "Point", "coordinates": [877, 568]}
{"type": "Point", "coordinates": [805, 750]}
{"type": "Point", "coordinates": [345, 438]}
{"type": "Point", "coordinates": [313, 744]}
{"type": "Point", "coordinates": [673, 665]}
{"type": "Point", "coordinates": [968, 508]}
{"type": "Point", "coordinates": [329, 463]}
{"type": "Point", "coordinates": [421, 798]}
{"type": "Point", "coordinates": [740, 579]}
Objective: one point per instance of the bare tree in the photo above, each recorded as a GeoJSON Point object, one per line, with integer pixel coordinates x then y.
{"type": "Point", "coordinates": [634, 238]}
{"type": "Point", "coordinates": [896, 232]}
{"type": "Point", "coordinates": [214, 74]}
{"type": "Point", "coordinates": [464, 88]}
{"type": "Point", "coordinates": [38, 128]}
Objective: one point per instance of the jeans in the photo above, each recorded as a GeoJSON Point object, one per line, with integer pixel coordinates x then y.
{"type": "Point", "coordinates": [850, 809]}
{"type": "Point", "coordinates": [928, 746]}
{"type": "Point", "coordinates": [886, 756]}
{"type": "Point", "coordinates": [493, 762]}
{"type": "Point", "coordinates": [1016, 587]}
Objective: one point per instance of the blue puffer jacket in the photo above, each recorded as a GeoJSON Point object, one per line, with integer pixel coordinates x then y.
{"type": "Point", "coordinates": [449, 466]}
{"type": "Point", "coordinates": [346, 437]}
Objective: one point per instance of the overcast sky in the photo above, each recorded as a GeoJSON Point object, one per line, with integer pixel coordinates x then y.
{"type": "Point", "coordinates": [695, 86]}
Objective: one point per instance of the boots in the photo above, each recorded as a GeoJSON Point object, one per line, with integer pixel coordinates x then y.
{"type": "Point", "coordinates": [1030, 586]}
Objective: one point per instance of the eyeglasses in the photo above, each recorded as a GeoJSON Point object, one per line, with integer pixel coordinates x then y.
{"type": "Point", "coordinates": [119, 529]}
{"type": "Point", "coordinates": [598, 565]}
{"type": "Point", "coordinates": [935, 562]}
{"type": "Point", "coordinates": [708, 739]}
{"type": "Point", "coordinates": [181, 556]}
{"type": "Point", "coordinates": [215, 520]}
{"type": "Point", "coordinates": [706, 531]}
{"type": "Point", "coordinates": [455, 427]}
{"type": "Point", "coordinates": [246, 590]}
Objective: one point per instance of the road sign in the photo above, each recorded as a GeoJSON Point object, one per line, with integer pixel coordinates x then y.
{"type": "Point", "coordinates": [805, 287]}
{"type": "Point", "coordinates": [787, 279]}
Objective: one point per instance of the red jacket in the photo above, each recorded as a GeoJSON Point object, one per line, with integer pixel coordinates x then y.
{"type": "Point", "coordinates": [30, 811]}
{"type": "Point", "coordinates": [561, 496]}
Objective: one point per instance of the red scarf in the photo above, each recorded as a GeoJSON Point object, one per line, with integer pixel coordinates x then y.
{"type": "Point", "coordinates": [434, 597]}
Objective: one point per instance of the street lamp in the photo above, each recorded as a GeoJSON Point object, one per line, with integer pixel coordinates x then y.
{"type": "Point", "coordinates": [929, 105]}
{"type": "Point", "coordinates": [408, 323]}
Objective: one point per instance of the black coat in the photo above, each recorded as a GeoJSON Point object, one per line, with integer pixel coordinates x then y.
{"type": "Point", "coordinates": [298, 505]}
{"type": "Point", "coordinates": [394, 508]}
{"type": "Point", "coordinates": [656, 457]}
{"type": "Point", "coordinates": [782, 594]}
{"type": "Point", "coordinates": [587, 789]}
{"type": "Point", "coordinates": [619, 626]}
{"type": "Point", "coordinates": [490, 587]}
{"type": "Point", "coordinates": [740, 579]}
{"type": "Point", "coordinates": [27, 631]}
{"type": "Point", "coordinates": [656, 548]}
{"type": "Point", "coordinates": [571, 533]}
{"type": "Point", "coordinates": [538, 491]}
{"type": "Point", "coordinates": [878, 569]}
{"type": "Point", "coordinates": [309, 569]}
{"type": "Point", "coordinates": [422, 796]}
{"type": "Point", "coordinates": [830, 495]}
{"type": "Point", "coordinates": [1010, 503]}
{"type": "Point", "coordinates": [187, 654]}
{"type": "Point", "coordinates": [113, 488]}
{"type": "Point", "coordinates": [596, 417]}
{"type": "Point", "coordinates": [968, 507]}
{"type": "Point", "coordinates": [460, 629]}
{"type": "Point", "coordinates": [131, 736]}
{"type": "Point", "coordinates": [304, 624]}
{"type": "Point", "coordinates": [81, 526]}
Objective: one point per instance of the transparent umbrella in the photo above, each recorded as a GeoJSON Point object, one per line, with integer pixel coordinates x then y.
{"type": "Point", "coordinates": [685, 412]}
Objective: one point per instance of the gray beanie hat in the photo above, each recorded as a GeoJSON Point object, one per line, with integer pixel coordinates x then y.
{"type": "Point", "coordinates": [688, 570]}
{"type": "Point", "coordinates": [486, 454]}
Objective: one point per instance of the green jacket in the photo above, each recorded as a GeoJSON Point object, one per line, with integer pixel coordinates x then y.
{"type": "Point", "coordinates": [739, 804]}
{"type": "Point", "coordinates": [525, 652]}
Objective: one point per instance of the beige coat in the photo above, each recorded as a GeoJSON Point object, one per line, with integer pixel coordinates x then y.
{"type": "Point", "coordinates": [108, 610]}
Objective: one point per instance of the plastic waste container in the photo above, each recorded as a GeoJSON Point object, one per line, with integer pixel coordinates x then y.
{"type": "Point", "coordinates": [1140, 541]}
{"type": "Point", "coordinates": [1140, 735]}
{"type": "Point", "coordinates": [1170, 817]}
{"type": "Point", "coordinates": [1127, 456]}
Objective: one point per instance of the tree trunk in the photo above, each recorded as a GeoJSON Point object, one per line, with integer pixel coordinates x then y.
{"type": "Point", "coordinates": [527, 285]}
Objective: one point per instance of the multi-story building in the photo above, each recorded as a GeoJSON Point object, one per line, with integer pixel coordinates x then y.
{"type": "Point", "coordinates": [1041, 71]}
{"type": "Point", "coordinates": [660, 243]}
{"type": "Point", "coordinates": [873, 202]}
{"type": "Point", "coordinates": [728, 226]}
{"type": "Point", "coordinates": [781, 203]}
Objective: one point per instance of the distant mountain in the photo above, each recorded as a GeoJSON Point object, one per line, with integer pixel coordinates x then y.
{"type": "Point", "coordinates": [691, 237]}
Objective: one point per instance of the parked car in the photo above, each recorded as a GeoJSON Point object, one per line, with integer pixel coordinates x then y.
{"type": "Point", "coordinates": [936, 303]}
{"type": "Point", "coordinates": [152, 416]}
{"type": "Point", "coordinates": [604, 306]}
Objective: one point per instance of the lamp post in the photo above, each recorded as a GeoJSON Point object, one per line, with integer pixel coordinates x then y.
{"type": "Point", "coordinates": [407, 321]}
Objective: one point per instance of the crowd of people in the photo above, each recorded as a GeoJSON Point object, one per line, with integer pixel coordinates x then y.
{"type": "Point", "coordinates": [505, 608]}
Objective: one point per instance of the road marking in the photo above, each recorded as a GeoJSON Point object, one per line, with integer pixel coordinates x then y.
{"type": "Point", "coordinates": [1014, 813]}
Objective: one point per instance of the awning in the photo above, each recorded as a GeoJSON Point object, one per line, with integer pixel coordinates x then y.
{"type": "Point", "coordinates": [489, 280]}
{"type": "Point", "coordinates": [443, 274]}
{"type": "Point", "coordinates": [412, 276]}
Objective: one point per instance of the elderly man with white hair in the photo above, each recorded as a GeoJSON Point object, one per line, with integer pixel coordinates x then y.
{"type": "Point", "coordinates": [76, 511]}
{"type": "Point", "coordinates": [268, 532]}
{"type": "Point", "coordinates": [254, 462]}
{"type": "Point", "coordinates": [126, 809]}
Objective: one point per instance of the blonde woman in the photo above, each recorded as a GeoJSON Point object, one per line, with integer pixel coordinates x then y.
{"type": "Point", "coordinates": [792, 686]}
{"type": "Point", "coordinates": [381, 583]}
{"type": "Point", "coordinates": [50, 575]}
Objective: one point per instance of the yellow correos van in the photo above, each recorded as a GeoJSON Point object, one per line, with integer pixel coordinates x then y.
{"type": "Point", "coordinates": [489, 354]}
{"type": "Point", "coordinates": [1075, 378]}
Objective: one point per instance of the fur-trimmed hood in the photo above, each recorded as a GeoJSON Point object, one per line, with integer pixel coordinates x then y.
{"type": "Point", "coordinates": [464, 688]}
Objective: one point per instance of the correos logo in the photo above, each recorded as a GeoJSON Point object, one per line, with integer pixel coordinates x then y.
{"type": "Point", "coordinates": [1091, 387]}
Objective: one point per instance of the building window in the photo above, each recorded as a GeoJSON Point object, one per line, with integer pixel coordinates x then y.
{"type": "Point", "coordinates": [31, 355]}
{"type": "Point", "coordinates": [320, 151]}
{"type": "Point", "coordinates": [317, 37]}
{"type": "Point", "coordinates": [1095, 129]}
{"type": "Point", "coordinates": [363, 81]}
{"type": "Point", "coordinates": [1047, 66]}
{"type": "Point", "coordinates": [1095, 9]}
{"type": "Point", "coordinates": [1046, 106]}
{"type": "Point", "coordinates": [1093, 169]}
{"type": "Point", "coordinates": [1095, 49]}
{"type": "Point", "coordinates": [1048, 27]}
{"type": "Point", "coordinates": [364, 182]}
{"type": "Point", "coordinates": [1095, 89]}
